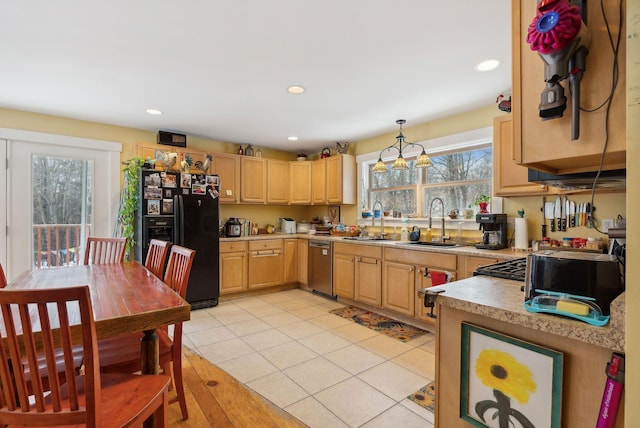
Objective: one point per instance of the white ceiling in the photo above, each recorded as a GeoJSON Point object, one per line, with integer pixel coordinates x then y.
{"type": "Point", "coordinates": [220, 69]}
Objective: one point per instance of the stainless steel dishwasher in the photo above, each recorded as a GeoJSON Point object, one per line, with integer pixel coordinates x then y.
{"type": "Point", "coordinates": [321, 267]}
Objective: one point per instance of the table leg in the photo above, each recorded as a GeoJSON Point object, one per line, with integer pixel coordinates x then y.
{"type": "Point", "coordinates": [150, 362]}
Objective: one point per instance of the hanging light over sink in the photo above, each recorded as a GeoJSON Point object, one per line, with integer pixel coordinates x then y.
{"type": "Point", "coordinates": [400, 163]}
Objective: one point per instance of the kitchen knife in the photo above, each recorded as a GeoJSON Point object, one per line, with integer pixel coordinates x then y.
{"type": "Point", "coordinates": [544, 217]}
{"type": "Point", "coordinates": [572, 213]}
{"type": "Point", "coordinates": [557, 212]}
{"type": "Point", "coordinates": [588, 221]}
{"type": "Point", "coordinates": [563, 213]}
{"type": "Point", "coordinates": [548, 214]}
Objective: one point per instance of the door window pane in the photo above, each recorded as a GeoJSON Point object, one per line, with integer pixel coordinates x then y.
{"type": "Point", "coordinates": [62, 209]}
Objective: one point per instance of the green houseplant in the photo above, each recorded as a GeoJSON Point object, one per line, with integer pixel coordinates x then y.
{"type": "Point", "coordinates": [125, 226]}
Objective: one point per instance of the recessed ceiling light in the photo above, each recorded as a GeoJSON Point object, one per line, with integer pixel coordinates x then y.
{"type": "Point", "coordinates": [487, 65]}
{"type": "Point", "coordinates": [153, 111]}
{"type": "Point", "coordinates": [295, 89]}
{"type": "Point", "coordinates": [292, 138]}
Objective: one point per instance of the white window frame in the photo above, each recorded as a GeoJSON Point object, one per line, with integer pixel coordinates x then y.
{"type": "Point", "coordinates": [434, 147]}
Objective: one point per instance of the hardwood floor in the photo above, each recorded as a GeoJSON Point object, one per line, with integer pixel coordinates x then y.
{"type": "Point", "coordinates": [216, 399]}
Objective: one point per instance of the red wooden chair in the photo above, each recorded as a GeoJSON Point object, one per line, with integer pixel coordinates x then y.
{"type": "Point", "coordinates": [101, 251]}
{"type": "Point", "coordinates": [91, 399]}
{"type": "Point", "coordinates": [3, 278]}
{"type": "Point", "coordinates": [157, 256]}
{"type": "Point", "coordinates": [122, 353]}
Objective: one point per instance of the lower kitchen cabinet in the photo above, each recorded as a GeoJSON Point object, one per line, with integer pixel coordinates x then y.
{"type": "Point", "coordinates": [357, 272]}
{"type": "Point", "coordinates": [290, 261]}
{"type": "Point", "coordinates": [266, 261]}
{"type": "Point", "coordinates": [233, 267]}
{"type": "Point", "coordinates": [468, 264]}
{"type": "Point", "coordinates": [303, 260]}
{"type": "Point", "coordinates": [405, 272]}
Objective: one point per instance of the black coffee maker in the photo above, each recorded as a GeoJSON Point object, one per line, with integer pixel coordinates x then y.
{"type": "Point", "coordinates": [494, 231]}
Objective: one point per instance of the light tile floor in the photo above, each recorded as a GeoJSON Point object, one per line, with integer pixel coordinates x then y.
{"type": "Point", "coordinates": [323, 369]}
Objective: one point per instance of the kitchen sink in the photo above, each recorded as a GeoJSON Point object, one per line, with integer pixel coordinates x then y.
{"type": "Point", "coordinates": [433, 244]}
{"type": "Point", "coordinates": [364, 238]}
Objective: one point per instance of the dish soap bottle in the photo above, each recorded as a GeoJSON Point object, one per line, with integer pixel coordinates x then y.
{"type": "Point", "coordinates": [404, 232]}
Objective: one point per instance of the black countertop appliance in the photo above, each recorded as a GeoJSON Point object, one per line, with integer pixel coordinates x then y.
{"type": "Point", "coordinates": [494, 231]}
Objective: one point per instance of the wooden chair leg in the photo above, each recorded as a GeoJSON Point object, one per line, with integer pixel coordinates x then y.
{"type": "Point", "coordinates": [177, 376]}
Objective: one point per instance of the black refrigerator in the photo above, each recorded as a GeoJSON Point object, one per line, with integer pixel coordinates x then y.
{"type": "Point", "coordinates": [183, 208]}
{"type": "Point", "coordinates": [196, 227]}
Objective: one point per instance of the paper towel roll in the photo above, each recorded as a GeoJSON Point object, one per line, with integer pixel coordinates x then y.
{"type": "Point", "coordinates": [522, 235]}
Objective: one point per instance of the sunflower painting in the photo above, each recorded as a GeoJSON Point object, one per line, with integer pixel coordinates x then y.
{"type": "Point", "coordinates": [508, 383]}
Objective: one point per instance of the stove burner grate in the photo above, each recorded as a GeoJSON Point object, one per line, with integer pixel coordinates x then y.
{"type": "Point", "coordinates": [510, 269]}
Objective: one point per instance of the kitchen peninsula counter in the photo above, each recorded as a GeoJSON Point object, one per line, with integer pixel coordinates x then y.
{"type": "Point", "coordinates": [497, 305]}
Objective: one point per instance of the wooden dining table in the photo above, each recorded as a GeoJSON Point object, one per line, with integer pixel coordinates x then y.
{"type": "Point", "coordinates": [126, 298]}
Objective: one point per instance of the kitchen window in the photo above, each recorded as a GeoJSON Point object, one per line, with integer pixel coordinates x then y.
{"type": "Point", "coordinates": [461, 170]}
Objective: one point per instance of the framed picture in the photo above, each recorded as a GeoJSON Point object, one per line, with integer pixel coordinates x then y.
{"type": "Point", "coordinates": [508, 382]}
{"type": "Point", "coordinates": [213, 180]}
{"type": "Point", "coordinates": [185, 181]}
{"type": "Point", "coordinates": [198, 189]}
{"type": "Point", "coordinates": [168, 180]}
{"type": "Point", "coordinates": [153, 207]}
{"type": "Point", "coordinates": [152, 192]}
{"type": "Point", "coordinates": [167, 206]}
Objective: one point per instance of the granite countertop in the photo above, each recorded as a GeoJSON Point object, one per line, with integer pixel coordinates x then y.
{"type": "Point", "coordinates": [502, 299]}
{"type": "Point", "coordinates": [463, 250]}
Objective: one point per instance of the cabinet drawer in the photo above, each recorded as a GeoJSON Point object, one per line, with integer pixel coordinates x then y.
{"type": "Point", "coordinates": [232, 247]}
{"type": "Point", "coordinates": [371, 251]}
{"type": "Point", "coordinates": [424, 258]}
{"type": "Point", "coordinates": [267, 244]}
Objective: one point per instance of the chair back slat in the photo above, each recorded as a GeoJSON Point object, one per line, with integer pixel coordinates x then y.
{"type": "Point", "coordinates": [157, 256]}
{"type": "Point", "coordinates": [100, 251]}
{"type": "Point", "coordinates": [179, 269]}
{"type": "Point", "coordinates": [3, 278]}
{"type": "Point", "coordinates": [38, 322]}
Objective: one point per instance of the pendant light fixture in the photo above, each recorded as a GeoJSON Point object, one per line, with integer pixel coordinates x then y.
{"type": "Point", "coordinates": [400, 163]}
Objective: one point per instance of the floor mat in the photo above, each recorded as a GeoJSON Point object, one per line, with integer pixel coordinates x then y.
{"type": "Point", "coordinates": [379, 323]}
{"type": "Point", "coordinates": [425, 396]}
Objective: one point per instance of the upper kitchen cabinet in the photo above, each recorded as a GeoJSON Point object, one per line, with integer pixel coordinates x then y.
{"type": "Point", "coordinates": [547, 145]}
{"type": "Point", "coordinates": [253, 179]}
{"type": "Point", "coordinates": [277, 184]}
{"type": "Point", "coordinates": [333, 180]}
{"type": "Point", "coordinates": [227, 167]}
{"type": "Point", "coordinates": [300, 182]}
{"type": "Point", "coordinates": [509, 178]}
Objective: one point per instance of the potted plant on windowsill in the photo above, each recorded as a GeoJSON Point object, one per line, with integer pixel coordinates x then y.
{"type": "Point", "coordinates": [482, 201]}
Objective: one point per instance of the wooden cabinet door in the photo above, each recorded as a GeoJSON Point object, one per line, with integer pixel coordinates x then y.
{"type": "Point", "coordinates": [290, 261]}
{"type": "Point", "coordinates": [319, 181]}
{"type": "Point", "coordinates": [300, 182]}
{"type": "Point", "coordinates": [423, 281]}
{"type": "Point", "coordinates": [509, 178]}
{"type": "Point", "coordinates": [303, 260]}
{"type": "Point", "coordinates": [398, 288]}
{"type": "Point", "coordinates": [344, 275]}
{"type": "Point", "coordinates": [148, 151]}
{"type": "Point", "coordinates": [468, 264]}
{"type": "Point", "coordinates": [233, 272]}
{"type": "Point", "coordinates": [341, 179]}
{"type": "Point", "coordinates": [277, 181]}
{"type": "Point", "coordinates": [547, 145]}
{"type": "Point", "coordinates": [368, 281]}
{"type": "Point", "coordinates": [227, 167]}
{"type": "Point", "coordinates": [253, 181]}
{"type": "Point", "coordinates": [265, 268]}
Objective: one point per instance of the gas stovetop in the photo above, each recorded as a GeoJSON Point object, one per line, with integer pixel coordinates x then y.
{"type": "Point", "coordinates": [511, 269]}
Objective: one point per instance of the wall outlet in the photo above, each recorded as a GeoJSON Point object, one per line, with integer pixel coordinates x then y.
{"type": "Point", "coordinates": [607, 223]}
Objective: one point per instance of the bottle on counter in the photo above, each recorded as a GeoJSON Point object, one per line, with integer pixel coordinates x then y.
{"type": "Point", "coordinates": [404, 232]}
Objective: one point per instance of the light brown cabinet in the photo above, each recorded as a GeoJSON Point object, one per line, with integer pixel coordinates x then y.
{"type": "Point", "coordinates": [333, 180]}
{"type": "Point", "coordinates": [277, 182]}
{"type": "Point", "coordinates": [357, 272]}
{"type": "Point", "coordinates": [509, 178]}
{"type": "Point", "coordinates": [300, 182]}
{"type": "Point", "coordinates": [547, 145]}
{"type": "Point", "coordinates": [303, 260]}
{"type": "Point", "coordinates": [253, 180]}
{"type": "Point", "coordinates": [266, 261]}
{"type": "Point", "coordinates": [227, 167]}
{"type": "Point", "coordinates": [468, 264]}
{"type": "Point", "coordinates": [233, 267]}
{"type": "Point", "coordinates": [290, 261]}
{"type": "Point", "coordinates": [405, 272]}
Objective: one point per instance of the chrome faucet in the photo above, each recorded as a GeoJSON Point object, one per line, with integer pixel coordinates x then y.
{"type": "Point", "coordinates": [373, 218]}
{"type": "Point", "coordinates": [443, 237]}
